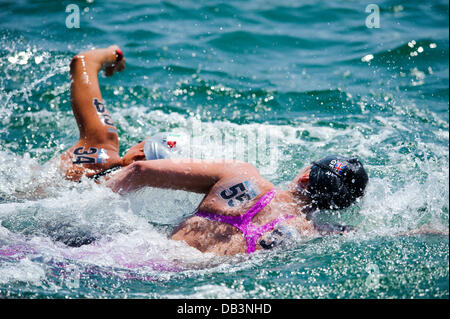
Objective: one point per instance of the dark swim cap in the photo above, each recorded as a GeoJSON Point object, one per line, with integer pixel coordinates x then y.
{"type": "Point", "coordinates": [336, 182]}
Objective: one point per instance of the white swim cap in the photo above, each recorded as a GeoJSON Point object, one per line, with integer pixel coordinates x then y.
{"type": "Point", "coordinates": [163, 145]}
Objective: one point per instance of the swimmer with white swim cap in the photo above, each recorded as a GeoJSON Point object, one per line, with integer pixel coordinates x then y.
{"type": "Point", "coordinates": [96, 153]}
{"type": "Point", "coordinates": [241, 212]}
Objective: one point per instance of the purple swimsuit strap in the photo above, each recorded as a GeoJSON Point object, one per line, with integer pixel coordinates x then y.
{"type": "Point", "coordinates": [244, 222]}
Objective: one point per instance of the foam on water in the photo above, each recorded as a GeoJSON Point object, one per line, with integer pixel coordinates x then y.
{"type": "Point", "coordinates": [131, 233]}
{"type": "Point", "coordinates": [37, 201]}
{"type": "Point", "coordinates": [383, 97]}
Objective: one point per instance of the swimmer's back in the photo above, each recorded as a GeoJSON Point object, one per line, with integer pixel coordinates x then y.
{"type": "Point", "coordinates": [232, 196]}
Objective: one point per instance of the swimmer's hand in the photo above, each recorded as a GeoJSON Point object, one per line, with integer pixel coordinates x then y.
{"type": "Point", "coordinates": [135, 153]}
{"type": "Point", "coordinates": [424, 230]}
{"type": "Point", "coordinates": [109, 59]}
{"type": "Point", "coordinates": [114, 60]}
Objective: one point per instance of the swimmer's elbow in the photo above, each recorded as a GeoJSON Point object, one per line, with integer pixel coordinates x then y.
{"type": "Point", "coordinates": [74, 62]}
{"type": "Point", "coordinates": [136, 168]}
{"type": "Point", "coordinates": [81, 61]}
{"type": "Point", "coordinates": [77, 63]}
{"type": "Point", "coordinates": [127, 179]}
{"type": "Point", "coordinates": [240, 168]}
{"type": "Point", "coordinates": [135, 171]}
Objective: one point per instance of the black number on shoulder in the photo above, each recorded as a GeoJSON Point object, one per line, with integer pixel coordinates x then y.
{"type": "Point", "coordinates": [82, 155]}
{"type": "Point", "coordinates": [107, 119]}
{"type": "Point", "coordinates": [81, 151]}
{"type": "Point", "coordinates": [238, 192]}
{"type": "Point", "coordinates": [99, 106]}
{"type": "Point", "coordinates": [243, 197]}
{"type": "Point", "coordinates": [233, 191]}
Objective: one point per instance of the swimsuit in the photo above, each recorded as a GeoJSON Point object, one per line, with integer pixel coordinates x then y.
{"type": "Point", "coordinates": [244, 222]}
{"type": "Point", "coordinates": [105, 172]}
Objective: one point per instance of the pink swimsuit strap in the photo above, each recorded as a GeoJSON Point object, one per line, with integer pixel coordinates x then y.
{"type": "Point", "coordinates": [244, 222]}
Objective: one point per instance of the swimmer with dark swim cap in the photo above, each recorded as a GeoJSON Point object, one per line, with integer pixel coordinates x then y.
{"type": "Point", "coordinates": [242, 212]}
{"type": "Point", "coordinates": [334, 182]}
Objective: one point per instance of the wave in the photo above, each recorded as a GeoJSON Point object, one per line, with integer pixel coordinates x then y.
{"type": "Point", "coordinates": [408, 55]}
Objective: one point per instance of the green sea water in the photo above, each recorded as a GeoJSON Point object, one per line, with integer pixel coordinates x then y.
{"type": "Point", "coordinates": [310, 75]}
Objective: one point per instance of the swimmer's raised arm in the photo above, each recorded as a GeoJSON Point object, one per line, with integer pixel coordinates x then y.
{"type": "Point", "coordinates": [98, 146]}
{"type": "Point", "coordinates": [180, 174]}
{"type": "Point", "coordinates": [86, 98]}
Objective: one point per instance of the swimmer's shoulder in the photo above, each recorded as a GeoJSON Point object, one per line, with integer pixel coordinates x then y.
{"type": "Point", "coordinates": [89, 159]}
